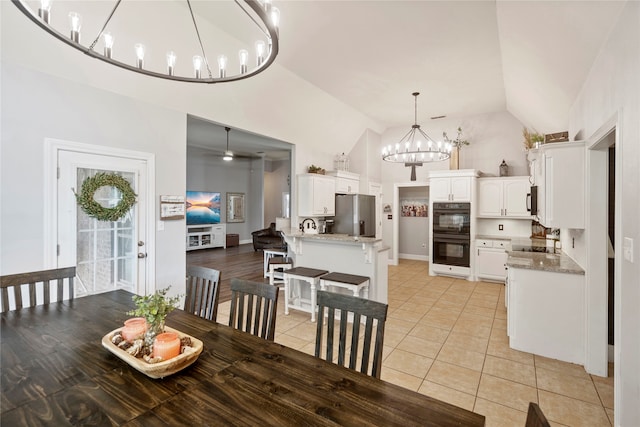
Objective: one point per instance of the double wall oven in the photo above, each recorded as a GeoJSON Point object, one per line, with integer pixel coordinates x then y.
{"type": "Point", "coordinates": [451, 234]}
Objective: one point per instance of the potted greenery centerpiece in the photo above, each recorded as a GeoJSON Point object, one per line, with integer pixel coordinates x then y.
{"type": "Point", "coordinates": [154, 308]}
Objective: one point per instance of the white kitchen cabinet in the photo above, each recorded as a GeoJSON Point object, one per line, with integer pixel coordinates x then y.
{"type": "Point", "coordinates": [545, 313]}
{"type": "Point", "coordinates": [561, 185]}
{"type": "Point", "coordinates": [503, 197]}
{"type": "Point", "coordinates": [491, 259]}
{"type": "Point", "coordinates": [346, 182]}
{"type": "Point", "coordinates": [450, 189]}
{"type": "Point", "coordinates": [316, 195]}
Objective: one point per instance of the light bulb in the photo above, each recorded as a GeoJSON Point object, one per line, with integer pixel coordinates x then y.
{"type": "Point", "coordinates": [406, 146]}
{"type": "Point", "coordinates": [171, 62]}
{"type": "Point", "coordinates": [275, 16]}
{"type": "Point", "coordinates": [139, 48]}
{"type": "Point", "coordinates": [222, 65]}
{"type": "Point", "coordinates": [197, 65]}
{"type": "Point", "coordinates": [108, 44]}
{"type": "Point", "coordinates": [243, 55]}
{"type": "Point", "coordinates": [44, 10]}
{"type": "Point", "coordinates": [439, 145]}
{"type": "Point", "coordinates": [75, 21]}
{"type": "Point", "coordinates": [418, 144]}
{"type": "Point", "coordinates": [260, 49]}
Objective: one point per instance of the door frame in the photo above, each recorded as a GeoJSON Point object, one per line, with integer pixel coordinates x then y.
{"type": "Point", "coordinates": [596, 337]}
{"type": "Point", "coordinates": [396, 221]}
{"type": "Point", "coordinates": [51, 149]}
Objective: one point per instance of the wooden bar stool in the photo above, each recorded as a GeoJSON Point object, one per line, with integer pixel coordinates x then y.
{"type": "Point", "coordinates": [305, 275]}
{"type": "Point", "coordinates": [358, 285]}
{"type": "Point", "coordinates": [277, 266]}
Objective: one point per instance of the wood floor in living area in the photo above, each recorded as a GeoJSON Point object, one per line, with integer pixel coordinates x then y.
{"type": "Point", "coordinates": [241, 262]}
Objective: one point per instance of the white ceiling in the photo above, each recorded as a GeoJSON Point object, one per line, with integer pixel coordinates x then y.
{"type": "Point", "coordinates": [464, 57]}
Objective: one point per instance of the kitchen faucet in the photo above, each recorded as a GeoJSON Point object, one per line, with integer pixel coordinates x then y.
{"type": "Point", "coordinates": [313, 224]}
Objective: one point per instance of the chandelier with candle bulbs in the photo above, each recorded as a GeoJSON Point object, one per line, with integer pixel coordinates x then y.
{"type": "Point", "coordinates": [416, 147]}
{"type": "Point", "coordinates": [262, 13]}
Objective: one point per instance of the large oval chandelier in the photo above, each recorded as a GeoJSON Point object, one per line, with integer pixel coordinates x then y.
{"type": "Point", "coordinates": [416, 147]}
{"type": "Point", "coordinates": [262, 13]}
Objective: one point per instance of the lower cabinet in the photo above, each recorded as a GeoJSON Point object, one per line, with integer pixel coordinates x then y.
{"type": "Point", "coordinates": [206, 236]}
{"type": "Point", "coordinates": [491, 259]}
{"type": "Point", "coordinates": [546, 314]}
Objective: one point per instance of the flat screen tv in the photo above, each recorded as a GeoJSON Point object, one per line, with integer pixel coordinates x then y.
{"type": "Point", "coordinates": [203, 207]}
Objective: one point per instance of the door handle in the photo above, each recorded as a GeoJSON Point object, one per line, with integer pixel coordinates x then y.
{"type": "Point", "coordinates": [142, 255]}
{"type": "Point", "coordinates": [140, 243]}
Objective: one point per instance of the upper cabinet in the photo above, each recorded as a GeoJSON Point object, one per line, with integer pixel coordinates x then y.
{"type": "Point", "coordinates": [346, 182]}
{"type": "Point", "coordinates": [503, 197]}
{"type": "Point", "coordinates": [316, 195]}
{"type": "Point", "coordinates": [560, 178]}
{"type": "Point", "coordinates": [450, 186]}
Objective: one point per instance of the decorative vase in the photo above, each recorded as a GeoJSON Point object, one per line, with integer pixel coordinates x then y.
{"type": "Point", "coordinates": [454, 160]}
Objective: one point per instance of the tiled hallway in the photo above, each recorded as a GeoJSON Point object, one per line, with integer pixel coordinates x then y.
{"type": "Point", "coordinates": [447, 338]}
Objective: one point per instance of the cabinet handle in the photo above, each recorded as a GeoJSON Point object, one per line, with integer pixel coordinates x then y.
{"type": "Point", "coordinates": [478, 252]}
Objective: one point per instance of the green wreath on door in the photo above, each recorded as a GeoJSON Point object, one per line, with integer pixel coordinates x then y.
{"type": "Point", "coordinates": [94, 209]}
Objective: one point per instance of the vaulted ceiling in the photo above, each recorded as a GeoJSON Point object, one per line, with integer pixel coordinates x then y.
{"type": "Point", "coordinates": [465, 57]}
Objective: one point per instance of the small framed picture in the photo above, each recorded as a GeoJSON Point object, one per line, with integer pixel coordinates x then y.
{"type": "Point", "coordinates": [172, 207]}
{"type": "Point", "coordinates": [414, 208]}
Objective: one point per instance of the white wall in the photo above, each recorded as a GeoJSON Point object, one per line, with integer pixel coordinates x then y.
{"type": "Point", "coordinates": [36, 106]}
{"type": "Point", "coordinates": [208, 172]}
{"type": "Point", "coordinates": [613, 88]}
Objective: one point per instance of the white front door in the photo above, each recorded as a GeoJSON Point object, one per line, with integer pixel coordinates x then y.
{"type": "Point", "coordinates": [108, 255]}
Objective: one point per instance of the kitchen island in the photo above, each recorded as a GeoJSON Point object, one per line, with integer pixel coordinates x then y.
{"type": "Point", "coordinates": [362, 256]}
{"type": "Point", "coordinates": [545, 305]}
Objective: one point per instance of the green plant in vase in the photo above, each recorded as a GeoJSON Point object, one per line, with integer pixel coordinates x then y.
{"type": "Point", "coordinates": [154, 308]}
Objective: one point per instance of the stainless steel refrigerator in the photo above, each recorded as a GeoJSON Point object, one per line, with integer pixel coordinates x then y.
{"type": "Point", "coordinates": [355, 215]}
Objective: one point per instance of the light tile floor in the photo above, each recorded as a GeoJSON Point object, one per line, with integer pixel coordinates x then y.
{"type": "Point", "coordinates": [446, 338]}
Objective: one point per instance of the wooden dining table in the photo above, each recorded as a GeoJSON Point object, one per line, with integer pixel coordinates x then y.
{"type": "Point", "coordinates": [55, 371]}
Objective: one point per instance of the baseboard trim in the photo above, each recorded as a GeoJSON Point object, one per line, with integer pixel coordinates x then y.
{"type": "Point", "coordinates": [414, 257]}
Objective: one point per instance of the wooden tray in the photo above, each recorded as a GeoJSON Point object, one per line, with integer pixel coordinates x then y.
{"type": "Point", "coordinates": [160, 369]}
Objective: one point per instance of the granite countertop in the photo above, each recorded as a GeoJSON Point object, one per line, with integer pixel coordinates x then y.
{"type": "Point", "coordinates": [342, 238]}
{"type": "Point", "coordinates": [557, 263]}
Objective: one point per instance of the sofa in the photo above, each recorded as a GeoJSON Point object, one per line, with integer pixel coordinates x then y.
{"type": "Point", "coordinates": [268, 238]}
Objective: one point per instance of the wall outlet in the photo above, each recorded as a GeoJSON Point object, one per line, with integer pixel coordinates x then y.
{"type": "Point", "coordinates": [627, 249]}
{"type": "Point", "coordinates": [500, 227]}
{"type": "Point", "coordinates": [160, 226]}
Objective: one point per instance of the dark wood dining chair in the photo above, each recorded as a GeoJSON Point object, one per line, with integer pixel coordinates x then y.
{"type": "Point", "coordinates": [202, 292]}
{"type": "Point", "coordinates": [37, 286]}
{"type": "Point", "coordinates": [253, 308]}
{"type": "Point", "coordinates": [372, 312]}
{"type": "Point", "coordinates": [535, 417]}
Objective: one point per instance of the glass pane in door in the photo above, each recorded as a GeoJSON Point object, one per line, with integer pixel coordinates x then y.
{"type": "Point", "coordinates": [106, 251]}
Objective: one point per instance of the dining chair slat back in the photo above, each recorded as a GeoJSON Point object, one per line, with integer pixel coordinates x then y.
{"type": "Point", "coordinates": [374, 315]}
{"type": "Point", "coordinates": [535, 417]}
{"type": "Point", "coordinates": [253, 308]}
{"type": "Point", "coordinates": [37, 288]}
{"type": "Point", "coordinates": [202, 292]}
